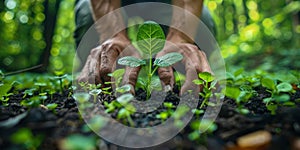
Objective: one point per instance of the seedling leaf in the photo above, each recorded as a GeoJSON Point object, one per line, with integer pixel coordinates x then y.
{"type": "Point", "coordinates": [206, 76]}
{"type": "Point", "coordinates": [284, 87]}
{"type": "Point", "coordinates": [125, 99]}
{"type": "Point", "coordinates": [131, 61]}
{"type": "Point", "coordinates": [232, 92]}
{"type": "Point", "coordinates": [268, 83]}
{"type": "Point", "coordinates": [151, 38]}
{"type": "Point", "coordinates": [168, 59]}
{"type": "Point", "coordinates": [124, 88]}
{"type": "Point", "coordinates": [198, 82]}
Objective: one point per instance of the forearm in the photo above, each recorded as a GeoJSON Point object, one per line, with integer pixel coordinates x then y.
{"type": "Point", "coordinates": [185, 20]}
{"type": "Point", "coordinates": [109, 23]}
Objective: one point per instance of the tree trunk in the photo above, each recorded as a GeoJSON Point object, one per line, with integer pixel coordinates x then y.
{"type": "Point", "coordinates": [51, 11]}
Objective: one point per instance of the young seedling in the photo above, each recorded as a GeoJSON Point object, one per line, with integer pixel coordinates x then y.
{"type": "Point", "coordinates": [52, 107]}
{"type": "Point", "coordinates": [82, 99]}
{"type": "Point", "coordinates": [166, 114]}
{"type": "Point", "coordinates": [277, 93]}
{"type": "Point", "coordinates": [239, 97]}
{"type": "Point", "coordinates": [117, 75]}
{"type": "Point", "coordinates": [29, 92]}
{"type": "Point", "coordinates": [205, 78]}
{"type": "Point", "coordinates": [125, 114]}
{"type": "Point", "coordinates": [95, 93]}
{"type": "Point", "coordinates": [40, 86]}
{"type": "Point", "coordinates": [150, 40]}
{"type": "Point", "coordinates": [4, 95]}
{"type": "Point", "coordinates": [60, 79]}
{"type": "Point", "coordinates": [123, 89]}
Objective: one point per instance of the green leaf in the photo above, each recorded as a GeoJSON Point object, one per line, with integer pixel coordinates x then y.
{"type": "Point", "coordinates": [131, 61]}
{"type": "Point", "coordinates": [123, 113]}
{"type": "Point", "coordinates": [284, 87]}
{"type": "Point", "coordinates": [52, 106]}
{"type": "Point", "coordinates": [272, 108]}
{"type": "Point", "coordinates": [77, 142]}
{"type": "Point", "coordinates": [168, 59]}
{"type": "Point", "coordinates": [238, 72]}
{"type": "Point", "coordinates": [95, 91]}
{"type": "Point", "coordinates": [125, 98]}
{"type": "Point", "coordinates": [4, 88]}
{"type": "Point", "coordinates": [117, 73]}
{"type": "Point", "coordinates": [151, 38]}
{"type": "Point", "coordinates": [268, 83]}
{"type": "Point", "coordinates": [206, 76]}
{"type": "Point", "coordinates": [198, 82]}
{"type": "Point", "coordinates": [124, 88]}
{"type": "Point", "coordinates": [282, 98]}
{"type": "Point", "coordinates": [232, 92]}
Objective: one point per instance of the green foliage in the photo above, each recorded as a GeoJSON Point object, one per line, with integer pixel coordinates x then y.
{"type": "Point", "coordinates": [117, 75]}
{"type": "Point", "coordinates": [123, 89]}
{"type": "Point", "coordinates": [168, 59]}
{"type": "Point", "coordinates": [27, 139]}
{"type": "Point", "coordinates": [95, 93]}
{"type": "Point", "coordinates": [205, 78]}
{"type": "Point", "coordinates": [131, 61]}
{"type": "Point", "coordinates": [79, 142]}
{"type": "Point", "coordinates": [4, 95]}
{"type": "Point", "coordinates": [150, 38]}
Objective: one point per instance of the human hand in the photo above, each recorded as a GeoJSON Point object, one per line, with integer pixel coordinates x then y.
{"type": "Point", "coordinates": [102, 61]}
{"type": "Point", "coordinates": [194, 60]}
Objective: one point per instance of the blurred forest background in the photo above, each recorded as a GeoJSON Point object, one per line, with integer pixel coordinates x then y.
{"type": "Point", "coordinates": [254, 34]}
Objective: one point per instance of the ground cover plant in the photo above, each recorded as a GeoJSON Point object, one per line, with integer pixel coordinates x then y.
{"type": "Point", "coordinates": [55, 119]}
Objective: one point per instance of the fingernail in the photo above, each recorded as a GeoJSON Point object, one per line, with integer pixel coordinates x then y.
{"type": "Point", "coordinates": [167, 88]}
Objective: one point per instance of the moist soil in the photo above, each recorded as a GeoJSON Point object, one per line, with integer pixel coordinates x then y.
{"type": "Point", "coordinates": [56, 125]}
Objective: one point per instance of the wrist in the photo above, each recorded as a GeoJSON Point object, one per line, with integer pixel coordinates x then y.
{"type": "Point", "coordinates": [176, 36]}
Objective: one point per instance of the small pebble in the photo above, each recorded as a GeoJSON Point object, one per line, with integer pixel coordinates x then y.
{"type": "Point", "coordinates": [255, 140]}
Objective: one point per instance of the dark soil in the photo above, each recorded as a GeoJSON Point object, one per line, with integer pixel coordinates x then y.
{"type": "Point", "coordinates": [65, 120]}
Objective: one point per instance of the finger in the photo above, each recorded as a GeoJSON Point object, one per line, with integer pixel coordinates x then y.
{"type": "Point", "coordinates": [90, 71]}
{"type": "Point", "coordinates": [191, 74]}
{"type": "Point", "coordinates": [108, 62]}
{"type": "Point", "coordinates": [166, 76]}
{"type": "Point", "coordinates": [130, 77]}
{"type": "Point", "coordinates": [204, 65]}
{"type": "Point", "coordinates": [192, 68]}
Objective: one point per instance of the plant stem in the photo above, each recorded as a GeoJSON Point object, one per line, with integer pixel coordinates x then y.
{"type": "Point", "coordinates": [149, 76]}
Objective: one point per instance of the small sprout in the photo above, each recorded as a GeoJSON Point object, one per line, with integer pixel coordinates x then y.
{"type": "Point", "coordinates": [78, 142]}
{"type": "Point", "coordinates": [163, 115]}
{"type": "Point", "coordinates": [198, 112]}
{"type": "Point", "coordinates": [43, 97]}
{"type": "Point", "coordinates": [60, 78]}
{"type": "Point", "coordinates": [205, 78]}
{"type": "Point", "coordinates": [29, 92]}
{"type": "Point", "coordinates": [26, 139]}
{"type": "Point", "coordinates": [95, 93]}
{"type": "Point", "coordinates": [123, 89]}
{"type": "Point", "coordinates": [125, 99]}
{"type": "Point", "coordinates": [4, 95]}
{"type": "Point", "coordinates": [284, 87]}
{"type": "Point", "coordinates": [117, 75]}
{"type": "Point", "coordinates": [106, 90]}
{"type": "Point", "coordinates": [52, 106]}
{"type": "Point", "coordinates": [33, 102]}
{"type": "Point", "coordinates": [125, 114]}
{"type": "Point", "coordinates": [81, 97]}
